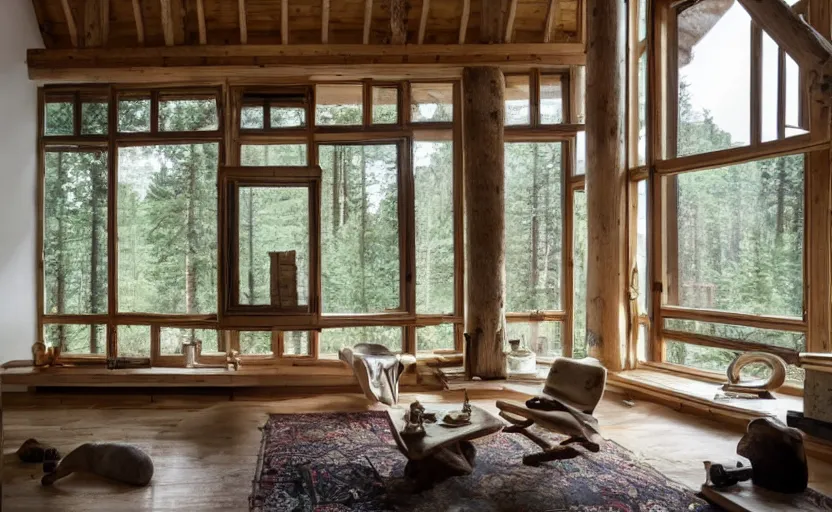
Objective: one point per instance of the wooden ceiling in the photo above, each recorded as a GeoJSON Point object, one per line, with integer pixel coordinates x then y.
{"type": "Point", "coordinates": [68, 24]}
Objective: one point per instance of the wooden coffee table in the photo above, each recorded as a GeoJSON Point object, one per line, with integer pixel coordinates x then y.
{"type": "Point", "coordinates": [442, 452]}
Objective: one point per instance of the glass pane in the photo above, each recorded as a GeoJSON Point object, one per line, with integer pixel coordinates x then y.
{"type": "Point", "coordinates": [542, 338]}
{"type": "Point", "coordinates": [641, 248]}
{"type": "Point", "coordinates": [133, 340]}
{"type": "Point", "coordinates": [171, 339]}
{"type": "Point", "coordinates": [533, 210]}
{"type": "Point", "coordinates": [580, 154]}
{"type": "Point", "coordinates": [785, 339]}
{"type": "Point", "coordinates": [385, 105]}
{"type": "Point", "coordinates": [431, 103]}
{"type": "Point", "coordinates": [642, 20]}
{"type": "Point", "coordinates": [359, 228]}
{"type": "Point", "coordinates": [273, 155]}
{"type": "Point", "coordinates": [59, 118]}
{"type": "Point", "coordinates": [792, 98]}
{"type": "Point", "coordinates": [718, 359]}
{"type": "Point", "coordinates": [287, 117]}
{"type": "Point", "coordinates": [188, 115]}
{"type": "Point", "coordinates": [75, 232]}
{"type": "Point", "coordinates": [94, 118]}
{"type": "Point", "coordinates": [551, 99]}
{"type": "Point", "coordinates": [642, 110]}
{"type": "Point", "coordinates": [76, 339]}
{"type": "Point", "coordinates": [339, 104]}
{"type": "Point", "coordinates": [255, 343]}
{"type": "Point", "coordinates": [714, 84]}
{"type": "Point", "coordinates": [435, 337]}
{"type": "Point", "coordinates": [272, 220]}
{"type": "Point", "coordinates": [769, 89]}
{"type": "Point", "coordinates": [251, 117]}
{"type": "Point", "coordinates": [296, 343]}
{"type": "Point", "coordinates": [333, 340]}
{"type": "Point", "coordinates": [579, 260]}
{"type": "Point", "coordinates": [167, 228]}
{"type": "Point", "coordinates": [517, 100]}
{"type": "Point", "coordinates": [643, 341]}
{"type": "Point", "coordinates": [134, 115]}
{"type": "Point", "coordinates": [741, 237]}
{"type": "Point", "coordinates": [434, 184]}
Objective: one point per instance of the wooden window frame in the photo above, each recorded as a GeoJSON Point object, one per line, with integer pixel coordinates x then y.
{"type": "Point", "coordinates": [663, 165]}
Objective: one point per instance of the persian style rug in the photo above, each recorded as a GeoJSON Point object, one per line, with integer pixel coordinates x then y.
{"type": "Point", "coordinates": [332, 462]}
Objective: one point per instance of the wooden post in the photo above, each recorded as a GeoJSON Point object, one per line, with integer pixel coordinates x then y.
{"type": "Point", "coordinates": [483, 115]}
{"type": "Point", "coordinates": [606, 183]}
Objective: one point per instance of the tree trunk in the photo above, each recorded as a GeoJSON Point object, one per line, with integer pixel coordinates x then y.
{"type": "Point", "coordinates": [781, 201]}
{"type": "Point", "coordinates": [190, 256]}
{"type": "Point", "coordinates": [533, 275]}
{"type": "Point", "coordinates": [362, 233]}
{"type": "Point", "coordinates": [336, 188]}
{"type": "Point", "coordinates": [251, 298]}
{"type": "Point", "coordinates": [484, 91]}
{"type": "Point", "coordinates": [95, 190]}
{"type": "Point", "coordinates": [60, 285]}
{"type": "Point", "coordinates": [606, 183]}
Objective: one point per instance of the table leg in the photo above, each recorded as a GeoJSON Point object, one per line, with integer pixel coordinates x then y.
{"type": "Point", "coordinates": [456, 459]}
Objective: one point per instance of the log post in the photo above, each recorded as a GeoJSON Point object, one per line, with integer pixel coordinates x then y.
{"type": "Point", "coordinates": [483, 114]}
{"type": "Point", "coordinates": [606, 183]}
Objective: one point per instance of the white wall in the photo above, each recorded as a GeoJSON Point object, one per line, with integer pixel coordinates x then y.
{"type": "Point", "coordinates": [18, 157]}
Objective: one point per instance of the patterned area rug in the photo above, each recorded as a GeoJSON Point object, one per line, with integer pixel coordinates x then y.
{"type": "Point", "coordinates": [349, 462]}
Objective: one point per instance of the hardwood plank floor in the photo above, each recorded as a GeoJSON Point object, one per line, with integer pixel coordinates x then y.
{"type": "Point", "coordinates": [205, 449]}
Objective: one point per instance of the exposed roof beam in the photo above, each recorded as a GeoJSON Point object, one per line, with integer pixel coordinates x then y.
{"type": "Point", "coordinates": [137, 15]}
{"type": "Point", "coordinates": [241, 14]}
{"type": "Point", "coordinates": [550, 21]}
{"type": "Point", "coordinates": [398, 21]}
{"type": "Point", "coordinates": [463, 22]}
{"type": "Point", "coordinates": [491, 26]}
{"type": "Point", "coordinates": [200, 18]}
{"type": "Point", "coordinates": [96, 22]}
{"type": "Point", "coordinates": [512, 13]}
{"type": "Point", "coordinates": [210, 62]}
{"type": "Point", "coordinates": [324, 21]}
{"type": "Point", "coordinates": [284, 21]}
{"type": "Point", "coordinates": [368, 17]}
{"type": "Point", "coordinates": [167, 22]}
{"type": "Point", "coordinates": [43, 24]}
{"type": "Point", "coordinates": [70, 22]}
{"type": "Point", "coordinates": [423, 21]}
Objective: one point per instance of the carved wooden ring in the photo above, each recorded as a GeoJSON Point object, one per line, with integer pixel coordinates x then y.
{"type": "Point", "coordinates": [776, 363]}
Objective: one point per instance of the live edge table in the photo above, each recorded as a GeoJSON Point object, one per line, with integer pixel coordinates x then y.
{"type": "Point", "coordinates": [443, 451]}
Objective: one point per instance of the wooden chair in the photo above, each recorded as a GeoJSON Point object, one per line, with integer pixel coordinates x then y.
{"type": "Point", "coordinates": [572, 390]}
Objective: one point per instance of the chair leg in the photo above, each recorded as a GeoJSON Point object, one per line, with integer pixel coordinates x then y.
{"type": "Point", "coordinates": [555, 453]}
{"type": "Point", "coordinates": [589, 445]}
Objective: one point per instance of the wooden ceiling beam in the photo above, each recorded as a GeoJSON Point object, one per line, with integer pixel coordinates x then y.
{"type": "Point", "coordinates": [173, 63]}
{"type": "Point", "coordinates": [463, 21]}
{"type": "Point", "coordinates": [512, 13]}
{"type": "Point", "coordinates": [241, 15]}
{"type": "Point", "coordinates": [70, 23]}
{"type": "Point", "coordinates": [284, 21]}
{"type": "Point", "coordinates": [167, 22]}
{"type": "Point", "coordinates": [491, 22]}
{"type": "Point", "coordinates": [200, 19]}
{"type": "Point", "coordinates": [423, 21]}
{"type": "Point", "coordinates": [137, 16]}
{"type": "Point", "coordinates": [96, 23]}
{"type": "Point", "coordinates": [398, 21]}
{"type": "Point", "coordinates": [368, 18]}
{"type": "Point", "coordinates": [324, 21]}
{"type": "Point", "coordinates": [550, 21]}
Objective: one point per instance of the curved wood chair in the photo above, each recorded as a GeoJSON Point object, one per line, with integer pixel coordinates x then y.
{"type": "Point", "coordinates": [572, 390]}
{"type": "Point", "coordinates": [377, 370]}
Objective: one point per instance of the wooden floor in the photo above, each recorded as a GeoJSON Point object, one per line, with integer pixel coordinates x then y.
{"type": "Point", "coordinates": [205, 450]}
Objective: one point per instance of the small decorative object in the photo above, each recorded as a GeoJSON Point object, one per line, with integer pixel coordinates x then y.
{"type": "Point", "coordinates": [190, 350]}
{"type": "Point", "coordinates": [283, 272]}
{"type": "Point", "coordinates": [125, 363]}
{"type": "Point", "coordinates": [232, 358]}
{"type": "Point", "coordinates": [520, 361]}
{"type": "Point", "coordinates": [777, 456]}
{"type": "Point", "coordinates": [414, 420]}
{"type": "Point", "coordinates": [458, 418]}
{"type": "Point", "coordinates": [760, 387]}
{"type": "Point", "coordinates": [724, 475]}
{"type": "Point", "coordinates": [466, 404]}
{"type": "Point", "coordinates": [377, 369]}
{"type": "Point", "coordinates": [43, 355]}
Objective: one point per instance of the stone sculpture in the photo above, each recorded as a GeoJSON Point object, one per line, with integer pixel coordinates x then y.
{"type": "Point", "coordinates": [760, 387]}
{"type": "Point", "coordinates": [377, 369]}
{"type": "Point", "coordinates": [777, 456]}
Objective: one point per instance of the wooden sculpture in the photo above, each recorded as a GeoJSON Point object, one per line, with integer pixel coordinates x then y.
{"type": "Point", "coordinates": [377, 370]}
{"type": "Point", "coordinates": [759, 387]}
{"type": "Point", "coordinates": [573, 388]}
{"type": "Point", "coordinates": [777, 456]}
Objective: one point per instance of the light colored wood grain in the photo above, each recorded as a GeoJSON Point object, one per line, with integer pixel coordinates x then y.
{"type": "Point", "coordinates": [423, 21]}
{"type": "Point", "coordinates": [325, 21]}
{"type": "Point", "coordinates": [368, 20]}
{"type": "Point", "coordinates": [167, 22]}
{"type": "Point", "coordinates": [241, 17]}
{"type": "Point", "coordinates": [284, 21]}
{"type": "Point", "coordinates": [200, 18]}
{"type": "Point", "coordinates": [463, 20]}
{"type": "Point", "coordinates": [512, 14]}
{"type": "Point", "coordinates": [70, 22]}
{"type": "Point", "coordinates": [551, 15]}
{"type": "Point", "coordinates": [137, 15]}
